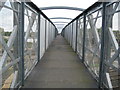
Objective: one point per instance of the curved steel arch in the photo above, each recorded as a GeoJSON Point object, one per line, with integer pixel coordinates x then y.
{"type": "Point", "coordinates": [62, 7]}
{"type": "Point", "coordinates": [61, 18]}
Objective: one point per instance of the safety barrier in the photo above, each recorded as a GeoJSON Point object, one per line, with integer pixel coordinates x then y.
{"type": "Point", "coordinates": [25, 34]}
{"type": "Point", "coordinates": [95, 36]}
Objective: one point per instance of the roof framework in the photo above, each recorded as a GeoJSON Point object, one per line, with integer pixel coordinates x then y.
{"type": "Point", "coordinates": [62, 7]}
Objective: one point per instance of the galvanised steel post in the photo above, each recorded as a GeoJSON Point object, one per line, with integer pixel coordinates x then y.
{"type": "Point", "coordinates": [15, 46]}
{"type": "Point", "coordinates": [119, 64]}
{"type": "Point", "coordinates": [63, 33]}
{"type": "Point", "coordinates": [76, 35]}
{"type": "Point", "coordinates": [22, 43]}
{"type": "Point", "coordinates": [102, 56]}
{"type": "Point", "coordinates": [38, 37]}
{"type": "Point", "coordinates": [16, 42]}
{"type": "Point", "coordinates": [45, 32]}
{"type": "Point", "coordinates": [72, 35]}
{"type": "Point", "coordinates": [84, 33]}
{"type": "Point", "coordinates": [55, 33]}
{"type": "Point", "coordinates": [119, 44]}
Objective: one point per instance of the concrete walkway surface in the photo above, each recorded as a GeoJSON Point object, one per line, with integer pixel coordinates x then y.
{"type": "Point", "coordinates": [60, 67]}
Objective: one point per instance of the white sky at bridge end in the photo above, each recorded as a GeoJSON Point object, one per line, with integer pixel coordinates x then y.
{"type": "Point", "coordinates": [6, 15]}
{"type": "Point", "coordinates": [63, 13]}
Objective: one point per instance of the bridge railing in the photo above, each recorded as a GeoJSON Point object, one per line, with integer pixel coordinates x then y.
{"type": "Point", "coordinates": [95, 36]}
{"type": "Point", "coordinates": [25, 34]}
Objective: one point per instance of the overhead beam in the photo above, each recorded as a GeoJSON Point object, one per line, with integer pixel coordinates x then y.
{"type": "Point", "coordinates": [59, 27]}
{"type": "Point", "coordinates": [62, 7]}
{"type": "Point", "coordinates": [60, 22]}
{"type": "Point", "coordinates": [61, 18]}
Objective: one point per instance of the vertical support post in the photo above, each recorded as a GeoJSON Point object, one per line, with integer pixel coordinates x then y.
{"type": "Point", "coordinates": [119, 17]}
{"type": "Point", "coordinates": [56, 32]}
{"type": "Point", "coordinates": [119, 41]}
{"type": "Point", "coordinates": [76, 35]}
{"type": "Point", "coordinates": [119, 65]}
{"type": "Point", "coordinates": [63, 33]}
{"type": "Point", "coordinates": [102, 56]}
{"type": "Point", "coordinates": [22, 43]}
{"type": "Point", "coordinates": [84, 33]}
{"type": "Point", "coordinates": [67, 34]}
{"type": "Point", "coordinates": [109, 19]}
{"type": "Point", "coordinates": [38, 37]}
{"type": "Point", "coordinates": [72, 35]}
{"type": "Point", "coordinates": [16, 43]}
{"type": "Point", "coordinates": [45, 33]}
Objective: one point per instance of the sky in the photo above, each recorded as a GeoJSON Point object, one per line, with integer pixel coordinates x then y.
{"type": "Point", "coordinates": [66, 13]}
{"type": "Point", "coordinates": [6, 16]}
{"type": "Point", "coordinates": [63, 13]}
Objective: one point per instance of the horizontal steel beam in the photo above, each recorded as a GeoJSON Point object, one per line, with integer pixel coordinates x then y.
{"type": "Point", "coordinates": [31, 4]}
{"type": "Point", "coordinates": [62, 7]}
{"type": "Point", "coordinates": [60, 22]}
{"type": "Point", "coordinates": [61, 18]}
{"type": "Point", "coordinates": [59, 27]}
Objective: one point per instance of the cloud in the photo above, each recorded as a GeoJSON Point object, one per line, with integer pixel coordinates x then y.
{"type": "Point", "coordinates": [6, 19]}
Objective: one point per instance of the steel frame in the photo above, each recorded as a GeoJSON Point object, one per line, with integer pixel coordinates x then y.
{"type": "Point", "coordinates": [61, 18]}
{"type": "Point", "coordinates": [60, 22]}
{"type": "Point", "coordinates": [101, 49]}
{"type": "Point", "coordinates": [91, 45]}
{"type": "Point", "coordinates": [23, 49]}
{"type": "Point", "coordinates": [62, 7]}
